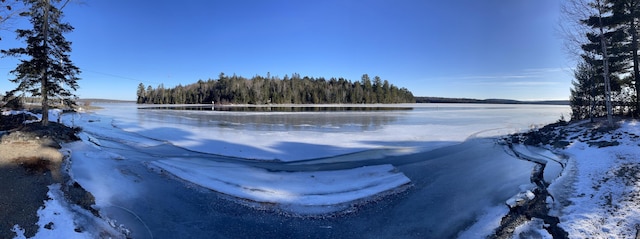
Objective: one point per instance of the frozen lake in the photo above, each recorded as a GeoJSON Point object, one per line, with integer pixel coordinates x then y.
{"type": "Point", "coordinates": [290, 136]}
{"type": "Point", "coordinates": [441, 158]}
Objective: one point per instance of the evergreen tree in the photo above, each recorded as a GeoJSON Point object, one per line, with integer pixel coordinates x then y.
{"type": "Point", "coordinates": [141, 94]}
{"type": "Point", "coordinates": [610, 30]}
{"type": "Point", "coordinates": [377, 89]}
{"type": "Point", "coordinates": [367, 88]}
{"type": "Point", "coordinates": [47, 72]}
{"type": "Point", "coordinates": [604, 52]}
{"type": "Point", "coordinates": [626, 13]}
{"type": "Point", "coordinates": [584, 94]}
{"type": "Point", "coordinates": [598, 22]}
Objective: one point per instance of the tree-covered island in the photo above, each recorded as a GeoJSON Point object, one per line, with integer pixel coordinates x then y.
{"type": "Point", "coordinates": [275, 90]}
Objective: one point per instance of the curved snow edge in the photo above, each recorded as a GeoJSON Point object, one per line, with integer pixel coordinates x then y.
{"type": "Point", "coordinates": [302, 193]}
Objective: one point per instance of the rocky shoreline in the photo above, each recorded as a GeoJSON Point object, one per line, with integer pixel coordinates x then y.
{"type": "Point", "coordinates": [530, 208]}
{"type": "Point", "coordinates": [534, 206]}
{"type": "Point", "coordinates": [561, 138]}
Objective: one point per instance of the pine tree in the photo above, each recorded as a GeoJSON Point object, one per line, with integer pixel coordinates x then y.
{"type": "Point", "coordinates": [47, 71]}
{"type": "Point", "coordinates": [606, 43]}
{"type": "Point", "coordinates": [367, 88]}
{"type": "Point", "coordinates": [584, 92]}
{"type": "Point", "coordinates": [626, 13]}
{"type": "Point", "coordinates": [141, 94]}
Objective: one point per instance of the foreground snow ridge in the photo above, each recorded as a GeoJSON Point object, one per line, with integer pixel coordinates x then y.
{"type": "Point", "coordinates": [295, 192]}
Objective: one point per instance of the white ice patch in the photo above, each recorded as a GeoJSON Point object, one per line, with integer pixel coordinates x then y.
{"type": "Point", "coordinates": [291, 189]}
{"type": "Point", "coordinates": [520, 198]}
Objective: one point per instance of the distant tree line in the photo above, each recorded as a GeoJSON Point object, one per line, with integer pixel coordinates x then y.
{"type": "Point", "coordinates": [604, 36]}
{"type": "Point", "coordinates": [274, 90]}
{"type": "Point", "coordinates": [427, 99]}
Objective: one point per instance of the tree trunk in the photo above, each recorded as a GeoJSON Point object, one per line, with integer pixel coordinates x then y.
{"type": "Point", "coordinates": [605, 62]}
{"type": "Point", "coordinates": [636, 68]}
{"type": "Point", "coordinates": [45, 81]}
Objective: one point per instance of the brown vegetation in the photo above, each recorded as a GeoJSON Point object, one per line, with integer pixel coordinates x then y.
{"type": "Point", "coordinates": [29, 163]}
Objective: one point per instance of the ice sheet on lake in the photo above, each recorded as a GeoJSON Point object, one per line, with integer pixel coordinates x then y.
{"type": "Point", "coordinates": [277, 137]}
{"type": "Point", "coordinates": [96, 166]}
{"type": "Point", "coordinates": [301, 190]}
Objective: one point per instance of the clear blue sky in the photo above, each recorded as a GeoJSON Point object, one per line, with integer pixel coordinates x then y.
{"type": "Point", "coordinates": [454, 48]}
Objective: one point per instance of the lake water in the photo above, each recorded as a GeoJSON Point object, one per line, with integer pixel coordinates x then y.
{"type": "Point", "coordinates": [458, 173]}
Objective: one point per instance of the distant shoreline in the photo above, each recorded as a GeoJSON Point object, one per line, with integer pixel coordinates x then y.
{"type": "Point", "coordinates": [419, 100]}
{"type": "Point", "coordinates": [422, 99]}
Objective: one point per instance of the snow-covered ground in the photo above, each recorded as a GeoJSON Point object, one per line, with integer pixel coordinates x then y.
{"type": "Point", "coordinates": [599, 195]}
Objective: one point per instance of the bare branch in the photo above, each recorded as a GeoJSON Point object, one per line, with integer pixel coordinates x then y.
{"type": "Point", "coordinates": [64, 5]}
{"type": "Point", "coordinates": [9, 11]}
{"type": "Point", "coordinates": [79, 2]}
{"type": "Point", "coordinates": [570, 27]}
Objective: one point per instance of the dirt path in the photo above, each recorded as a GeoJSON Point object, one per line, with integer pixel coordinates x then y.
{"type": "Point", "coordinates": [27, 166]}
{"type": "Point", "coordinates": [29, 162]}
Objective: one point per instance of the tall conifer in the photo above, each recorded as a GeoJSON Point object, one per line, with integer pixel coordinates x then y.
{"type": "Point", "coordinates": [46, 70]}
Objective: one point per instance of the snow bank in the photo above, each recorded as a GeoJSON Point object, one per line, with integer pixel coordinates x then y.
{"type": "Point", "coordinates": [603, 184]}
{"type": "Point", "coordinates": [55, 115]}
{"type": "Point", "coordinates": [300, 190]}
